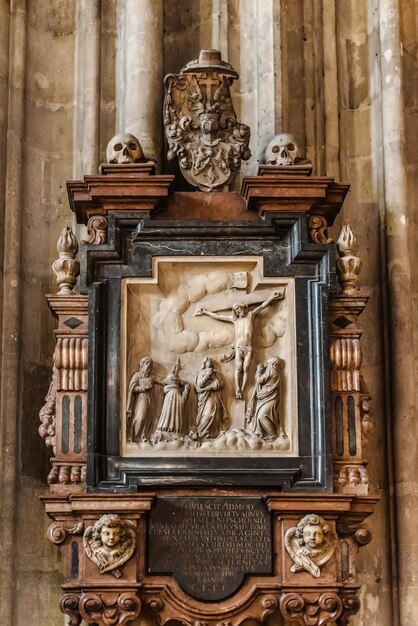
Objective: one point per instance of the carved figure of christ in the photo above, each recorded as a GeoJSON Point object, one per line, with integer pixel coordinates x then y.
{"type": "Point", "coordinates": [243, 320]}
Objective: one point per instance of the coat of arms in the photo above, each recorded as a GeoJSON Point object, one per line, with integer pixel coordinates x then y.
{"type": "Point", "coordinates": [201, 125]}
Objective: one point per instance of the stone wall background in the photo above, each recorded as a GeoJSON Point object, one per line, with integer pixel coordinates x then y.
{"type": "Point", "coordinates": [342, 77]}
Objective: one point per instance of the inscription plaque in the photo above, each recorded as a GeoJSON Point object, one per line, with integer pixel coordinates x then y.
{"type": "Point", "coordinates": [209, 544]}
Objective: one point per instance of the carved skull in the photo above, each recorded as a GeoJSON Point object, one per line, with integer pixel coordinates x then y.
{"type": "Point", "coordinates": [282, 150]}
{"type": "Point", "coordinates": [124, 148]}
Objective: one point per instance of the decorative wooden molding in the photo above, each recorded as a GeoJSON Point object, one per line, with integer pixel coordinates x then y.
{"type": "Point", "coordinates": [350, 408]}
{"type": "Point", "coordinates": [106, 608]}
{"type": "Point", "coordinates": [64, 474]}
{"type": "Point", "coordinates": [101, 607]}
{"type": "Point", "coordinates": [94, 596]}
{"type": "Point", "coordinates": [311, 609]}
{"type": "Point", "coordinates": [58, 531]}
{"type": "Point", "coordinates": [120, 187]}
{"type": "Point", "coordinates": [69, 605]}
{"type": "Point", "coordinates": [319, 196]}
{"type": "Point", "coordinates": [170, 603]}
{"type": "Point", "coordinates": [64, 414]}
{"type": "Point", "coordinates": [351, 606]}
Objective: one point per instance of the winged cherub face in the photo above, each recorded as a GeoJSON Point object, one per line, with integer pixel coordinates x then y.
{"type": "Point", "coordinates": [110, 536]}
{"type": "Point", "coordinates": [313, 536]}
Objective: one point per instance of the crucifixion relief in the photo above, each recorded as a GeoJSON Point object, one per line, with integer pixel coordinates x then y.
{"type": "Point", "coordinates": [243, 320]}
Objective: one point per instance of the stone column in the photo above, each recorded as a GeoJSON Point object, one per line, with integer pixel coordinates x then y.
{"type": "Point", "coordinates": [86, 121]}
{"type": "Point", "coordinates": [10, 347]}
{"type": "Point", "coordinates": [4, 81]}
{"type": "Point", "coordinates": [139, 72]}
{"type": "Point", "coordinates": [358, 108]}
{"type": "Point", "coordinates": [253, 52]}
{"type": "Point", "coordinates": [402, 312]}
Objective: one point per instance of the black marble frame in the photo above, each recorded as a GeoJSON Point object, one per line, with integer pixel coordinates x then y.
{"type": "Point", "coordinates": [282, 239]}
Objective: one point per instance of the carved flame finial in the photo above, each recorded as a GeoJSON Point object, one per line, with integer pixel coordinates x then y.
{"type": "Point", "coordinates": [201, 125]}
{"type": "Point", "coordinates": [349, 265]}
{"type": "Point", "coordinates": [66, 267]}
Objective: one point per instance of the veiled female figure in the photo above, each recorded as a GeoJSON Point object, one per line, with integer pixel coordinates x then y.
{"type": "Point", "coordinates": [264, 408]}
{"type": "Point", "coordinates": [142, 401]}
{"type": "Point", "coordinates": [211, 412]}
{"type": "Point", "coordinates": [171, 424]}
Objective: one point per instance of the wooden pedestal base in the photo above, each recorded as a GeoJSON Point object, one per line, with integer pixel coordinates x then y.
{"type": "Point", "coordinates": [107, 600]}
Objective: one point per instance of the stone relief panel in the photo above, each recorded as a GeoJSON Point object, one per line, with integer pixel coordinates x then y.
{"type": "Point", "coordinates": [208, 360]}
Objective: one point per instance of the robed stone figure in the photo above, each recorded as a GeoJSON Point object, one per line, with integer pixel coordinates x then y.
{"type": "Point", "coordinates": [263, 413]}
{"type": "Point", "coordinates": [211, 413]}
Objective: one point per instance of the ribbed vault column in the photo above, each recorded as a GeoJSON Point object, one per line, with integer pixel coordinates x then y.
{"type": "Point", "coordinates": [10, 345]}
{"type": "Point", "coordinates": [403, 316]}
{"type": "Point", "coordinates": [139, 72]}
{"type": "Point", "coordinates": [86, 121]}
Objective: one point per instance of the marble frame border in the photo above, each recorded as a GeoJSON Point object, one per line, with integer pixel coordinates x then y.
{"type": "Point", "coordinates": [282, 240]}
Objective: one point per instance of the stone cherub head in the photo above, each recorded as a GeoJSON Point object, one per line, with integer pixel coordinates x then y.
{"type": "Point", "coordinates": [310, 544]}
{"type": "Point", "coordinates": [109, 543]}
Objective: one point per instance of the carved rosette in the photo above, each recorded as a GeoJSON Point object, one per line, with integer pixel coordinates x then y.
{"type": "Point", "coordinates": [66, 267]}
{"type": "Point", "coordinates": [200, 122]}
{"type": "Point", "coordinates": [311, 609]}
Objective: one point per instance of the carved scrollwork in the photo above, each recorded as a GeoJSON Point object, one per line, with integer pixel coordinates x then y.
{"type": "Point", "coordinates": [109, 609]}
{"type": "Point", "coordinates": [57, 532]}
{"type": "Point", "coordinates": [97, 229]}
{"type": "Point", "coordinates": [47, 414]}
{"type": "Point", "coordinates": [318, 229]}
{"type": "Point", "coordinates": [69, 605]}
{"type": "Point", "coordinates": [311, 609]}
{"type": "Point", "coordinates": [351, 606]}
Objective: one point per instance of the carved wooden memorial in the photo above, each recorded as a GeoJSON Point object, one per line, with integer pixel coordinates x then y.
{"type": "Point", "coordinates": [205, 411]}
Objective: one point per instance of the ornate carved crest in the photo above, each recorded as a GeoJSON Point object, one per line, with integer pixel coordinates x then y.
{"type": "Point", "coordinates": [109, 544]}
{"type": "Point", "coordinates": [201, 125]}
{"type": "Point", "coordinates": [310, 544]}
